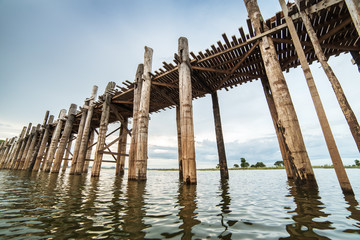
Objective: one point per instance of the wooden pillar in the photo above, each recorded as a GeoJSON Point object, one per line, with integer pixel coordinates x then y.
{"type": "Point", "coordinates": [134, 135]}
{"type": "Point", "coordinates": [67, 153]}
{"type": "Point", "coordinates": [6, 153]}
{"type": "Point", "coordinates": [288, 122]}
{"type": "Point", "coordinates": [143, 121]}
{"type": "Point", "coordinates": [354, 10]}
{"type": "Point", "coordinates": [340, 95]}
{"type": "Point", "coordinates": [329, 138]}
{"type": "Point", "coordinates": [22, 148]}
{"type": "Point", "coordinates": [219, 137]}
{"type": "Point", "coordinates": [88, 153]}
{"type": "Point", "coordinates": [178, 129]}
{"type": "Point", "coordinates": [120, 161]}
{"type": "Point", "coordinates": [186, 115]}
{"type": "Point", "coordinates": [17, 149]}
{"type": "Point", "coordinates": [281, 139]}
{"type": "Point", "coordinates": [104, 121]}
{"type": "Point", "coordinates": [356, 58]}
{"type": "Point", "coordinates": [44, 140]}
{"type": "Point", "coordinates": [54, 141]}
{"type": "Point", "coordinates": [29, 154]}
{"type": "Point", "coordinates": [26, 149]}
{"type": "Point", "coordinates": [64, 139]}
{"type": "Point", "coordinates": [86, 133]}
{"type": "Point", "coordinates": [79, 135]}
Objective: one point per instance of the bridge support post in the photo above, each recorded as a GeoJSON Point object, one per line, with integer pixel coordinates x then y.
{"type": "Point", "coordinates": [340, 95]}
{"type": "Point", "coordinates": [186, 114]}
{"type": "Point", "coordinates": [288, 122]}
{"type": "Point", "coordinates": [88, 153]}
{"type": "Point", "coordinates": [84, 143]}
{"type": "Point", "coordinates": [120, 160]}
{"type": "Point", "coordinates": [64, 139]}
{"type": "Point", "coordinates": [44, 140]}
{"type": "Point", "coordinates": [281, 139]}
{"type": "Point", "coordinates": [16, 149]}
{"type": "Point", "coordinates": [135, 127]}
{"type": "Point", "coordinates": [143, 121]}
{"type": "Point", "coordinates": [31, 150]}
{"type": "Point", "coordinates": [26, 149]}
{"type": "Point", "coordinates": [178, 128]}
{"type": "Point", "coordinates": [54, 141]}
{"type": "Point", "coordinates": [354, 10]}
{"type": "Point", "coordinates": [329, 138]}
{"type": "Point", "coordinates": [219, 137]}
{"type": "Point", "coordinates": [104, 121]}
{"type": "Point", "coordinates": [22, 148]}
{"type": "Point", "coordinates": [67, 153]}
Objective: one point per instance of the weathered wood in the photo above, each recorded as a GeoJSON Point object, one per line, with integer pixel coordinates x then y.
{"type": "Point", "coordinates": [44, 141]}
{"type": "Point", "coordinates": [120, 161]}
{"type": "Point", "coordinates": [136, 105]}
{"type": "Point", "coordinates": [356, 58]}
{"type": "Point", "coordinates": [54, 141]}
{"type": "Point", "coordinates": [178, 129]}
{"type": "Point", "coordinates": [186, 115]}
{"type": "Point", "coordinates": [26, 150]}
{"type": "Point", "coordinates": [219, 137]}
{"type": "Point", "coordinates": [143, 121]}
{"type": "Point", "coordinates": [288, 122]}
{"type": "Point", "coordinates": [7, 152]}
{"type": "Point", "coordinates": [329, 138]}
{"type": "Point", "coordinates": [17, 149]}
{"type": "Point", "coordinates": [88, 153]}
{"type": "Point", "coordinates": [340, 95]}
{"type": "Point", "coordinates": [64, 139]}
{"type": "Point", "coordinates": [22, 148]}
{"type": "Point", "coordinates": [86, 133]}
{"type": "Point", "coordinates": [274, 115]}
{"type": "Point", "coordinates": [104, 121]}
{"type": "Point", "coordinates": [67, 153]}
{"type": "Point", "coordinates": [354, 10]}
{"type": "Point", "coordinates": [80, 132]}
{"type": "Point", "coordinates": [29, 154]}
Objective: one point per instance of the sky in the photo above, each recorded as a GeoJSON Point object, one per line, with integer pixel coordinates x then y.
{"type": "Point", "coordinates": [53, 52]}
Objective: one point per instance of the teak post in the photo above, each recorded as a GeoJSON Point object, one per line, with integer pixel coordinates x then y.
{"type": "Point", "coordinates": [44, 140]}
{"type": "Point", "coordinates": [88, 153]}
{"type": "Point", "coordinates": [86, 133]}
{"type": "Point", "coordinates": [67, 153]}
{"type": "Point", "coordinates": [186, 114]}
{"type": "Point", "coordinates": [79, 135]}
{"type": "Point", "coordinates": [143, 121]}
{"type": "Point", "coordinates": [54, 141]}
{"type": "Point", "coordinates": [288, 122]}
{"type": "Point", "coordinates": [178, 130]}
{"type": "Point", "coordinates": [22, 148]}
{"type": "Point", "coordinates": [354, 10]}
{"type": "Point", "coordinates": [329, 138]}
{"type": "Point", "coordinates": [17, 148]}
{"type": "Point", "coordinates": [281, 139]}
{"type": "Point", "coordinates": [26, 150]}
{"type": "Point", "coordinates": [120, 160]}
{"type": "Point", "coordinates": [340, 95]}
{"type": "Point", "coordinates": [29, 154]}
{"type": "Point", "coordinates": [134, 135]}
{"type": "Point", "coordinates": [219, 137]}
{"type": "Point", "coordinates": [104, 121]}
{"type": "Point", "coordinates": [64, 139]}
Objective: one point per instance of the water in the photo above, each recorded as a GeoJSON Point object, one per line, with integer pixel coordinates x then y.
{"type": "Point", "coordinates": [253, 204]}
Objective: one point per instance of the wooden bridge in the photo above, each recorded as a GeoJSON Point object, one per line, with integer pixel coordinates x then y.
{"type": "Point", "coordinates": [303, 32]}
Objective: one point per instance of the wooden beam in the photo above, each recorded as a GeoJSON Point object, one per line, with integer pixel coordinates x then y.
{"type": "Point", "coordinates": [210, 69]}
{"type": "Point", "coordinates": [164, 84]}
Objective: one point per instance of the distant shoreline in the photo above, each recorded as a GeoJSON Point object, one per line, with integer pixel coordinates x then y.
{"type": "Point", "coordinates": [236, 169]}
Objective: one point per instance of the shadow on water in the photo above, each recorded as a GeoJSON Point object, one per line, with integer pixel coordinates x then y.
{"type": "Point", "coordinates": [353, 206]}
{"type": "Point", "coordinates": [135, 210]}
{"type": "Point", "coordinates": [225, 209]}
{"type": "Point", "coordinates": [187, 212]}
{"type": "Point", "coordinates": [117, 208]}
{"type": "Point", "coordinates": [308, 207]}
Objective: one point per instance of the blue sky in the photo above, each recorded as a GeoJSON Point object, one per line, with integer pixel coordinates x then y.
{"type": "Point", "coordinates": [53, 52]}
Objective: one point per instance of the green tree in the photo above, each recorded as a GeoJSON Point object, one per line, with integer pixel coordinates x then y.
{"type": "Point", "coordinates": [244, 163]}
{"type": "Point", "coordinates": [279, 163]}
{"type": "Point", "coordinates": [236, 165]}
{"type": "Point", "coordinates": [357, 163]}
{"type": "Point", "coordinates": [218, 166]}
{"type": "Point", "coordinates": [258, 165]}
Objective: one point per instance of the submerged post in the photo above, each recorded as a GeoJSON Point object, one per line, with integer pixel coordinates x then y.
{"type": "Point", "coordinates": [120, 161]}
{"type": "Point", "coordinates": [186, 115]}
{"type": "Point", "coordinates": [143, 121]}
{"type": "Point", "coordinates": [67, 153]}
{"type": "Point", "coordinates": [219, 137]}
{"type": "Point", "coordinates": [178, 129]}
{"type": "Point", "coordinates": [64, 139]}
{"type": "Point", "coordinates": [104, 121]}
{"type": "Point", "coordinates": [288, 122]}
{"type": "Point", "coordinates": [88, 153]}
{"type": "Point", "coordinates": [134, 135]}
{"type": "Point", "coordinates": [22, 149]}
{"type": "Point", "coordinates": [26, 149]}
{"type": "Point", "coordinates": [340, 95]}
{"type": "Point", "coordinates": [329, 138]}
{"type": "Point", "coordinates": [29, 154]}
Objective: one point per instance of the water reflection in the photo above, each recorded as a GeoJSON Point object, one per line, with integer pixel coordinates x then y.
{"type": "Point", "coordinates": [187, 213]}
{"type": "Point", "coordinates": [225, 209]}
{"type": "Point", "coordinates": [117, 207]}
{"type": "Point", "coordinates": [355, 212]}
{"type": "Point", "coordinates": [135, 211]}
{"type": "Point", "coordinates": [308, 214]}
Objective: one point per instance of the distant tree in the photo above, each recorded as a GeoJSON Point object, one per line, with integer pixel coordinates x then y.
{"type": "Point", "coordinates": [236, 165]}
{"type": "Point", "coordinates": [357, 163]}
{"type": "Point", "coordinates": [244, 163]}
{"type": "Point", "coordinates": [2, 141]}
{"type": "Point", "coordinates": [258, 165]}
{"type": "Point", "coordinates": [218, 166]}
{"type": "Point", "coordinates": [279, 163]}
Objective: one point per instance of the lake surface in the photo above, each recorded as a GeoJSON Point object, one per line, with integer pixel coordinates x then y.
{"type": "Point", "coordinates": [253, 204]}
